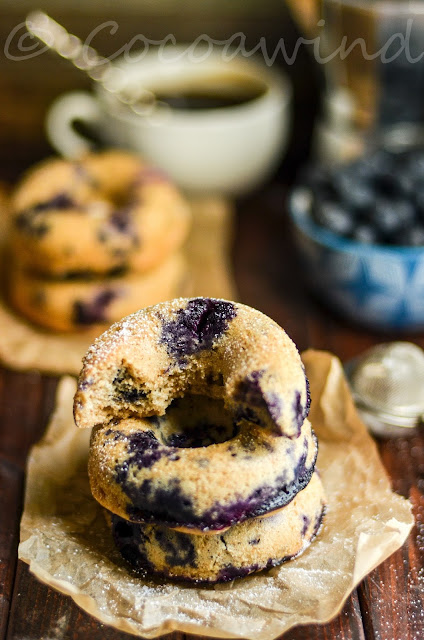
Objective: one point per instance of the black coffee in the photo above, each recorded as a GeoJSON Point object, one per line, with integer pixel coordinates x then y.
{"type": "Point", "coordinates": [197, 99]}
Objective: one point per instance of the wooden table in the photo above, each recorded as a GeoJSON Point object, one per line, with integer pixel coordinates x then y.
{"type": "Point", "coordinates": [388, 605]}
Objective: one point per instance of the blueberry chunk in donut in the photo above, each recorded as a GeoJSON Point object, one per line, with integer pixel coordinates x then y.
{"type": "Point", "coordinates": [259, 405]}
{"type": "Point", "coordinates": [178, 550]}
{"type": "Point", "coordinates": [255, 401]}
{"type": "Point", "coordinates": [30, 221]}
{"type": "Point", "coordinates": [144, 450]}
{"type": "Point", "coordinates": [61, 201]}
{"type": "Point", "coordinates": [126, 387]}
{"type": "Point", "coordinates": [129, 542]}
{"type": "Point", "coordinates": [121, 219]}
{"type": "Point", "coordinates": [27, 218]}
{"type": "Point", "coordinates": [300, 410]}
{"type": "Point", "coordinates": [197, 326]}
{"type": "Point", "coordinates": [31, 224]}
{"type": "Point", "coordinates": [87, 313]}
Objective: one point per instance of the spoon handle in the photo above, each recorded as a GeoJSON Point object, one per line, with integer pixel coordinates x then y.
{"type": "Point", "coordinates": [67, 45]}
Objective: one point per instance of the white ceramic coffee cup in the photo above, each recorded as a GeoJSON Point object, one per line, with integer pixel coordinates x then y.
{"type": "Point", "coordinates": [228, 150]}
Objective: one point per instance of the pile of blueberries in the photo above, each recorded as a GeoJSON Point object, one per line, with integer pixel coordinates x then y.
{"type": "Point", "coordinates": [377, 199]}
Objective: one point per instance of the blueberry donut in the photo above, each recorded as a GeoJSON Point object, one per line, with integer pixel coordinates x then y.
{"type": "Point", "coordinates": [196, 468]}
{"type": "Point", "coordinates": [76, 304]}
{"type": "Point", "coordinates": [220, 349]}
{"type": "Point", "coordinates": [104, 212]}
{"type": "Point", "coordinates": [257, 543]}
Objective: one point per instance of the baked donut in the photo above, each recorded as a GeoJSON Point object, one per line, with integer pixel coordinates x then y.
{"type": "Point", "coordinates": [217, 348]}
{"type": "Point", "coordinates": [201, 452]}
{"type": "Point", "coordinates": [257, 543]}
{"type": "Point", "coordinates": [104, 212]}
{"type": "Point", "coordinates": [207, 476]}
{"type": "Point", "coordinates": [75, 304]}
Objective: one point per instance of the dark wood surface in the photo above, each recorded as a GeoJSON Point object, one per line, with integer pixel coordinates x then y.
{"type": "Point", "coordinates": [388, 605]}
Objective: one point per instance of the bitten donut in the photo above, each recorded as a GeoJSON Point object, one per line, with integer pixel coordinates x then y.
{"type": "Point", "coordinates": [257, 543]}
{"type": "Point", "coordinates": [217, 348]}
{"type": "Point", "coordinates": [75, 304]}
{"type": "Point", "coordinates": [210, 474]}
{"type": "Point", "coordinates": [104, 212]}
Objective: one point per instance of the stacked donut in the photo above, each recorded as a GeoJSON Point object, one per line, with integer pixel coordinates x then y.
{"type": "Point", "coordinates": [201, 450]}
{"type": "Point", "coordinates": [95, 239]}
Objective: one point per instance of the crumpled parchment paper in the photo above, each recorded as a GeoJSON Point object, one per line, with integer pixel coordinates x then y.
{"type": "Point", "coordinates": [24, 346]}
{"type": "Point", "coordinates": [67, 544]}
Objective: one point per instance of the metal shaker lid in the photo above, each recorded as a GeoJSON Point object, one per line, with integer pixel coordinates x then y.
{"type": "Point", "coordinates": [387, 382]}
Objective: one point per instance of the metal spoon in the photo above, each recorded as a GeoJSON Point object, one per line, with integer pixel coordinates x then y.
{"type": "Point", "coordinates": [138, 99]}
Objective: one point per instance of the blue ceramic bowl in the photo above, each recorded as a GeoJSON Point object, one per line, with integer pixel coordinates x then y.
{"type": "Point", "coordinates": [381, 287]}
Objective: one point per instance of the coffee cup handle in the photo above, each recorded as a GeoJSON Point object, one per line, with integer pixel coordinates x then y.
{"type": "Point", "coordinates": [65, 110]}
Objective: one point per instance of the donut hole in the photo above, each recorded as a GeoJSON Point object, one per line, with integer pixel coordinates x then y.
{"type": "Point", "coordinates": [194, 421]}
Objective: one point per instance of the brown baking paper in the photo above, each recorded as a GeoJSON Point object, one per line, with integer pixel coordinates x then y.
{"type": "Point", "coordinates": [24, 346]}
{"type": "Point", "coordinates": [65, 540]}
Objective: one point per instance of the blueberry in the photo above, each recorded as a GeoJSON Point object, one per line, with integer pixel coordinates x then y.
{"type": "Point", "coordinates": [197, 326]}
{"type": "Point", "coordinates": [405, 212]}
{"type": "Point", "coordinates": [365, 233]}
{"type": "Point", "coordinates": [405, 184]}
{"type": "Point", "coordinates": [61, 201]}
{"type": "Point", "coordinates": [376, 163]}
{"type": "Point", "coordinates": [415, 164]}
{"type": "Point", "coordinates": [85, 313]}
{"type": "Point", "coordinates": [334, 217]}
{"type": "Point", "coordinates": [355, 192]}
{"type": "Point", "coordinates": [121, 220]}
{"type": "Point", "coordinates": [412, 236]}
{"type": "Point", "coordinates": [390, 217]}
